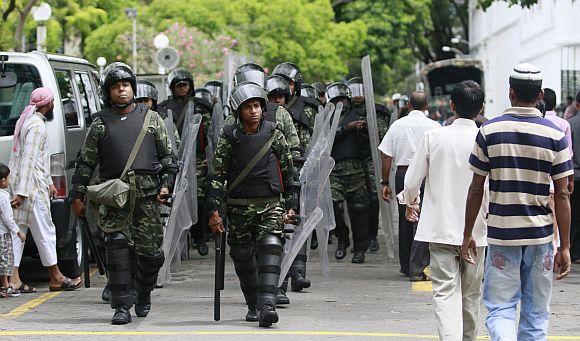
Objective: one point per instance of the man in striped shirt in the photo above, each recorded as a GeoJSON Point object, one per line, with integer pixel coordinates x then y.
{"type": "Point", "coordinates": [520, 152]}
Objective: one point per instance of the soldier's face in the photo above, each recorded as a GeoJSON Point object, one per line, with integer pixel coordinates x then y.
{"type": "Point", "coordinates": [121, 93]}
{"type": "Point", "coordinates": [358, 99]}
{"type": "Point", "coordinates": [251, 111]}
{"type": "Point", "coordinates": [292, 87]}
{"type": "Point", "coordinates": [147, 101]}
{"type": "Point", "coordinates": [182, 89]}
{"type": "Point", "coordinates": [278, 99]}
{"type": "Point", "coordinates": [322, 98]}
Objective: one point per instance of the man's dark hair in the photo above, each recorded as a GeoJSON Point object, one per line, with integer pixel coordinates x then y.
{"type": "Point", "coordinates": [541, 106]}
{"type": "Point", "coordinates": [578, 97]}
{"type": "Point", "coordinates": [4, 171]}
{"type": "Point", "coordinates": [526, 93]}
{"type": "Point", "coordinates": [549, 99]}
{"type": "Point", "coordinates": [418, 100]}
{"type": "Point", "coordinates": [570, 99]}
{"type": "Point", "coordinates": [468, 99]}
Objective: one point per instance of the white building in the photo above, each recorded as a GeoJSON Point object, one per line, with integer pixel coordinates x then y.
{"type": "Point", "coordinates": [546, 35]}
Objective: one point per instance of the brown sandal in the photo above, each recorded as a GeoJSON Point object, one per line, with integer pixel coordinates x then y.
{"type": "Point", "coordinates": [26, 289]}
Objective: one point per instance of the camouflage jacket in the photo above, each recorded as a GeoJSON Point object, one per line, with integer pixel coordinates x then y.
{"type": "Point", "coordinates": [304, 133]}
{"type": "Point", "coordinates": [147, 184]}
{"type": "Point", "coordinates": [287, 128]}
{"type": "Point", "coordinates": [217, 182]}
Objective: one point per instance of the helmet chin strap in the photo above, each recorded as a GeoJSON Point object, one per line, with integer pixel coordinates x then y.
{"type": "Point", "coordinates": [123, 106]}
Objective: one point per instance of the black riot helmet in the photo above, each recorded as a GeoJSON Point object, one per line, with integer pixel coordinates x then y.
{"type": "Point", "coordinates": [308, 90]}
{"type": "Point", "coordinates": [338, 90]}
{"type": "Point", "coordinates": [277, 85]}
{"type": "Point", "coordinates": [320, 88]}
{"type": "Point", "coordinates": [215, 88]}
{"type": "Point", "coordinates": [356, 87]}
{"type": "Point", "coordinates": [291, 72]}
{"type": "Point", "coordinates": [146, 89]}
{"type": "Point", "coordinates": [179, 76]}
{"type": "Point", "coordinates": [205, 97]}
{"type": "Point", "coordinates": [250, 72]}
{"type": "Point", "coordinates": [246, 91]}
{"type": "Point", "coordinates": [113, 73]}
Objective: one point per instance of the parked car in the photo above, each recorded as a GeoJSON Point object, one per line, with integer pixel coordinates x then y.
{"type": "Point", "coordinates": [74, 82]}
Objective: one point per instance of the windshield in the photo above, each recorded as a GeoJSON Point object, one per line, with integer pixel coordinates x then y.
{"type": "Point", "coordinates": [14, 99]}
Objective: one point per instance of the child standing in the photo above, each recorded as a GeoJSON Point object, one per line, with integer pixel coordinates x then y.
{"type": "Point", "coordinates": [7, 228]}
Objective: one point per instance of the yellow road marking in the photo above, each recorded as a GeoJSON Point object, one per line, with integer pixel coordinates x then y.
{"type": "Point", "coordinates": [30, 304]}
{"type": "Point", "coordinates": [35, 302]}
{"type": "Point", "coordinates": [422, 286]}
{"type": "Point", "coordinates": [237, 332]}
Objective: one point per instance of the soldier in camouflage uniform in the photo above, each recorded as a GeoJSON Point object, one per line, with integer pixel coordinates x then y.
{"type": "Point", "coordinates": [347, 179]}
{"type": "Point", "coordinates": [383, 119]}
{"type": "Point", "coordinates": [253, 202]}
{"type": "Point", "coordinates": [132, 241]}
{"type": "Point", "coordinates": [303, 111]}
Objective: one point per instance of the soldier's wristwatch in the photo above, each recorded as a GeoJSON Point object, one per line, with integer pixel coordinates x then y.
{"type": "Point", "coordinates": [385, 182]}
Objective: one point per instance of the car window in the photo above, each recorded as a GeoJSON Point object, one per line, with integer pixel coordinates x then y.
{"type": "Point", "coordinates": [87, 95]}
{"type": "Point", "coordinates": [14, 99]}
{"type": "Point", "coordinates": [69, 105]}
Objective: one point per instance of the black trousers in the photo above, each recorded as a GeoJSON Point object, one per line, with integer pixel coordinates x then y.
{"type": "Point", "coordinates": [575, 225]}
{"type": "Point", "coordinates": [413, 255]}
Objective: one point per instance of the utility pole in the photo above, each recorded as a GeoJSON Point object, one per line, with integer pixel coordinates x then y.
{"type": "Point", "coordinates": [132, 14]}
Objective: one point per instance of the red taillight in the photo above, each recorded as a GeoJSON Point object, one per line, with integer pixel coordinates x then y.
{"type": "Point", "coordinates": [58, 174]}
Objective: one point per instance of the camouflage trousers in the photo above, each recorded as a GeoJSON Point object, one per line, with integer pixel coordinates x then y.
{"type": "Point", "coordinates": [370, 178]}
{"type": "Point", "coordinates": [143, 230]}
{"type": "Point", "coordinates": [348, 181]}
{"type": "Point", "coordinates": [249, 224]}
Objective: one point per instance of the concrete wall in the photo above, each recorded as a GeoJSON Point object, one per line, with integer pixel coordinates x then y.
{"type": "Point", "coordinates": [547, 35]}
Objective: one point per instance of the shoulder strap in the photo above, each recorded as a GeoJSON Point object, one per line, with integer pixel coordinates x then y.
{"type": "Point", "coordinates": [252, 163]}
{"type": "Point", "coordinates": [137, 144]}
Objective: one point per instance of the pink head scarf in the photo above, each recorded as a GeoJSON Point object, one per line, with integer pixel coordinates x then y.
{"type": "Point", "coordinates": [39, 98]}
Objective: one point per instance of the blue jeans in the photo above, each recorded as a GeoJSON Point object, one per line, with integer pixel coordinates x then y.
{"type": "Point", "coordinates": [514, 274]}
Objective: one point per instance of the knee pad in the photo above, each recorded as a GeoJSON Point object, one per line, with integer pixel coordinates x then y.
{"type": "Point", "coordinates": [147, 271]}
{"type": "Point", "coordinates": [271, 245]}
{"type": "Point", "coordinates": [242, 253]}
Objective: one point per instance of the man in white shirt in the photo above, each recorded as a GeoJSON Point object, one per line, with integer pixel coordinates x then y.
{"type": "Point", "coordinates": [398, 146]}
{"type": "Point", "coordinates": [442, 158]}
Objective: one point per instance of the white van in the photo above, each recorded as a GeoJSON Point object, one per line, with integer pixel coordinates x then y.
{"type": "Point", "coordinates": [74, 82]}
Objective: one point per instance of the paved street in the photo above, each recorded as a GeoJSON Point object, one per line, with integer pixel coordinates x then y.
{"type": "Point", "coordinates": [357, 302]}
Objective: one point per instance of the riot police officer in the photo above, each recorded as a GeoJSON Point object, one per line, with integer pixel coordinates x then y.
{"type": "Point", "coordinates": [347, 179]}
{"type": "Point", "coordinates": [321, 90]}
{"type": "Point", "coordinates": [133, 234]}
{"type": "Point", "coordinates": [182, 89]}
{"type": "Point", "coordinates": [358, 105]}
{"type": "Point", "coordinates": [253, 201]}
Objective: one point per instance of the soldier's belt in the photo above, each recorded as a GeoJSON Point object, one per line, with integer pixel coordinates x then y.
{"type": "Point", "coordinates": [253, 201]}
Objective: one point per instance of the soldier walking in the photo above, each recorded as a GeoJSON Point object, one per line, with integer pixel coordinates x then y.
{"type": "Point", "coordinates": [253, 169]}
{"type": "Point", "coordinates": [133, 233]}
{"type": "Point", "coordinates": [347, 179]}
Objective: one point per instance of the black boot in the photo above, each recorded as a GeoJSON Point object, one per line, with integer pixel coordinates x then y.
{"type": "Point", "coordinates": [145, 279]}
{"type": "Point", "coordinates": [253, 314]}
{"type": "Point", "coordinates": [298, 271]}
{"type": "Point", "coordinates": [358, 258]}
{"type": "Point", "coordinates": [202, 248]}
{"type": "Point", "coordinates": [340, 252]}
{"type": "Point", "coordinates": [122, 316]}
{"type": "Point", "coordinates": [106, 294]}
{"type": "Point", "coordinates": [269, 260]}
{"type": "Point", "coordinates": [281, 297]}
{"type": "Point", "coordinates": [247, 270]}
{"type": "Point", "coordinates": [314, 241]}
{"type": "Point", "coordinates": [268, 315]}
{"type": "Point", "coordinates": [373, 244]}
{"type": "Point", "coordinates": [119, 264]}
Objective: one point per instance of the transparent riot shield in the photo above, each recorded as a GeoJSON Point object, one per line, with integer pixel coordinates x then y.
{"type": "Point", "coordinates": [231, 64]}
{"type": "Point", "coordinates": [184, 206]}
{"type": "Point", "coordinates": [315, 200]}
{"type": "Point", "coordinates": [216, 125]}
{"type": "Point", "coordinates": [385, 210]}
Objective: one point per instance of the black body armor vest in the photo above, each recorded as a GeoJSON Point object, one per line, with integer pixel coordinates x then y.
{"type": "Point", "coordinates": [297, 111]}
{"type": "Point", "coordinates": [264, 180]}
{"type": "Point", "coordinates": [121, 131]}
{"type": "Point", "coordinates": [347, 146]}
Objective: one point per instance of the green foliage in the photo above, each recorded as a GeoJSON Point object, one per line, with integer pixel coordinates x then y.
{"type": "Point", "coordinates": [484, 4]}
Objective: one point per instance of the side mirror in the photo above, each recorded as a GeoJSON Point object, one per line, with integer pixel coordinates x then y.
{"type": "Point", "coordinates": [8, 79]}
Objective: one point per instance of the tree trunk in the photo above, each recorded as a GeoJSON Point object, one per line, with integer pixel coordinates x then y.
{"type": "Point", "coordinates": [20, 27]}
